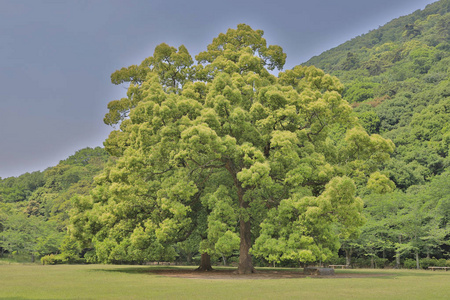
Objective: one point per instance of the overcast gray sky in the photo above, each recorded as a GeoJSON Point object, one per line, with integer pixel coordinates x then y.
{"type": "Point", "coordinates": [56, 57]}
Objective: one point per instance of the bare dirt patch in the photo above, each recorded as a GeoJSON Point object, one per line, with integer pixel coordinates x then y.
{"type": "Point", "coordinates": [260, 274]}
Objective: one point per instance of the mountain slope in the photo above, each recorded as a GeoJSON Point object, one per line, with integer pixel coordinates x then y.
{"type": "Point", "coordinates": [397, 80]}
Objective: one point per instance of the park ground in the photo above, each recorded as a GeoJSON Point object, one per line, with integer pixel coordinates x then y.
{"type": "Point", "coordinates": [31, 281]}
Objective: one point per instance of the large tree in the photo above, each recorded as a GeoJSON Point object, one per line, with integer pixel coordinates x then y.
{"type": "Point", "coordinates": [216, 149]}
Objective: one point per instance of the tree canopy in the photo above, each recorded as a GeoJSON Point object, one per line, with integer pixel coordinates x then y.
{"type": "Point", "coordinates": [227, 153]}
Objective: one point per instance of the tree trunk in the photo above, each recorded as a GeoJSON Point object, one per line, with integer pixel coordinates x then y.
{"type": "Point", "coordinates": [348, 256]}
{"type": "Point", "coordinates": [397, 259]}
{"type": "Point", "coordinates": [417, 260]}
{"type": "Point", "coordinates": [205, 263]}
{"type": "Point", "coordinates": [397, 254]}
{"type": "Point", "coordinates": [245, 259]}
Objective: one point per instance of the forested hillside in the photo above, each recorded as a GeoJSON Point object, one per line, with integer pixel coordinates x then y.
{"type": "Point", "coordinates": [34, 208]}
{"type": "Point", "coordinates": [396, 78]}
{"type": "Point", "coordinates": [163, 189]}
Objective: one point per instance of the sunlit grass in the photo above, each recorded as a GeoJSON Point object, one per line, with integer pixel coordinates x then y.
{"type": "Point", "coordinates": [18, 281]}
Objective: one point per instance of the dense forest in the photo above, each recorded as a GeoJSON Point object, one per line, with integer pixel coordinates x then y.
{"type": "Point", "coordinates": [397, 82]}
{"type": "Point", "coordinates": [34, 208]}
{"type": "Point", "coordinates": [396, 79]}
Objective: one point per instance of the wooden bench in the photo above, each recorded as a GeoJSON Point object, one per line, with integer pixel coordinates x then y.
{"type": "Point", "coordinates": [336, 266]}
{"type": "Point", "coordinates": [439, 268]}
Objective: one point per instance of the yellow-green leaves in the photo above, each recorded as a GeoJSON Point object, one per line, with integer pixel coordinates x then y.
{"type": "Point", "coordinates": [221, 222]}
{"type": "Point", "coordinates": [169, 66]}
{"type": "Point", "coordinates": [118, 110]}
{"type": "Point", "coordinates": [302, 77]}
{"type": "Point", "coordinates": [380, 183]}
{"type": "Point", "coordinates": [304, 228]}
{"type": "Point", "coordinates": [240, 50]}
{"type": "Point", "coordinates": [200, 139]}
{"type": "Point", "coordinates": [363, 153]}
{"type": "Point", "coordinates": [363, 146]}
{"type": "Point", "coordinates": [227, 243]}
{"type": "Point", "coordinates": [220, 147]}
{"type": "Point", "coordinates": [234, 40]}
{"type": "Point", "coordinates": [256, 175]}
{"type": "Point", "coordinates": [345, 207]}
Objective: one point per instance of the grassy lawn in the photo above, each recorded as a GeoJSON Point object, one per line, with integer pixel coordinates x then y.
{"type": "Point", "coordinates": [18, 281]}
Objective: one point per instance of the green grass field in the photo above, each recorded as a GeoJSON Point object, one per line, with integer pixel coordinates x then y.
{"type": "Point", "coordinates": [21, 281]}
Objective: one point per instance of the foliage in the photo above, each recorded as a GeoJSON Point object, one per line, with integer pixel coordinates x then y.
{"type": "Point", "coordinates": [206, 146]}
{"type": "Point", "coordinates": [34, 207]}
{"type": "Point", "coordinates": [52, 259]}
{"type": "Point", "coordinates": [22, 234]}
{"type": "Point", "coordinates": [302, 229]}
{"type": "Point", "coordinates": [19, 189]}
{"type": "Point", "coordinates": [397, 78]}
{"type": "Point", "coordinates": [223, 149]}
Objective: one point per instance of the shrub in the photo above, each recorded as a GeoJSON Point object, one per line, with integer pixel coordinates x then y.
{"type": "Point", "coordinates": [429, 262]}
{"type": "Point", "coordinates": [434, 262]}
{"type": "Point", "coordinates": [409, 263]}
{"type": "Point", "coordinates": [381, 262]}
{"type": "Point", "coordinates": [90, 257]}
{"type": "Point", "coordinates": [58, 259]}
{"type": "Point", "coordinates": [52, 259]}
{"type": "Point", "coordinates": [443, 263]}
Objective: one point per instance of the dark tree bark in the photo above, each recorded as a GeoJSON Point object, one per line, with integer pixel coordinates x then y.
{"type": "Point", "coordinates": [245, 259]}
{"type": "Point", "coordinates": [205, 263]}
